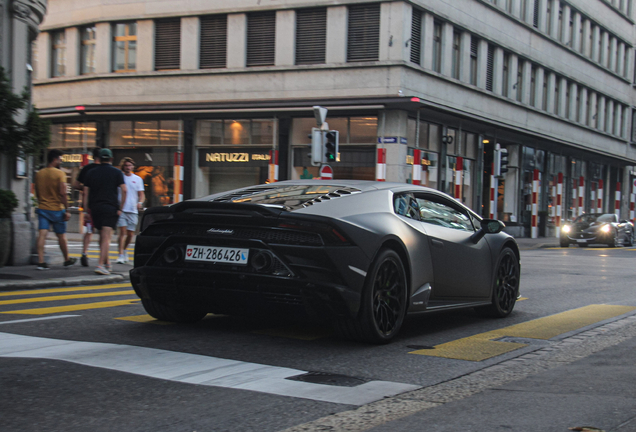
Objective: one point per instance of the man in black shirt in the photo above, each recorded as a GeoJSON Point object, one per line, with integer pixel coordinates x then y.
{"type": "Point", "coordinates": [100, 196]}
{"type": "Point", "coordinates": [88, 223]}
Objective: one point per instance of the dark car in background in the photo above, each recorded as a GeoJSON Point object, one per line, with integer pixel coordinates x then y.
{"type": "Point", "coordinates": [595, 228]}
{"type": "Point", "coordinates": [361, 255]}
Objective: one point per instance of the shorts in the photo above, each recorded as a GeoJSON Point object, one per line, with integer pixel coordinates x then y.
{"type": "Point", "coordinates": [128, 220]}
{"type": "Point", "coordinates": [52, 218]}
{"type": "Point", "coordinates": [104, 217]}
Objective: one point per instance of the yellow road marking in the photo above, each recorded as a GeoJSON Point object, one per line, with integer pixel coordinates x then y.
{"type": "Point", "coordinates": [144, 319]}
{"type": "Point", "coordinates": [483, 346]}
{"type": "Point", "coordinates": [65, 297]}
{"type": "Point", "coordinates": [59, 290]}
{"type": "Point", "coordinates": [70, 308]}
{"type": "Point", "coordinates": [297, 332]}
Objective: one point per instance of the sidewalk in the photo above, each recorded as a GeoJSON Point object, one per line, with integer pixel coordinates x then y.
{"type": "Point", "coordinates": [26, 277]}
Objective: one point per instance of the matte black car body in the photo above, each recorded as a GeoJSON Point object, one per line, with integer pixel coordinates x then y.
{"type": "Point", "coordinates": [342, 250]}
{"type": "Point", "coordinates": [597, 228]}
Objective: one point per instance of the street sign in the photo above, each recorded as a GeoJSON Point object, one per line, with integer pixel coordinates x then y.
{"type": "Point", "coordinates": [326, 172]}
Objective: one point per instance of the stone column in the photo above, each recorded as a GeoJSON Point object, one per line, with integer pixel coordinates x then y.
{"type": "Point", "coordinates": [497, 84]}
{"type": "Point", "coordinates": [393, 31]}
{"type": "Point", "coordinates": [237, 40]}
{"type": "Point", "coordinates": [464, 57]}
{"type": "Point", "coordinates": [513, 75]}
{"type": "Point", "coordinates": [543, 16]}
{"type": "Point", "coordinates": [554, 18]}
{"type": "Point", "coordinates": [551, 102]}
{"type": "Point", "coordinates": [592, 114]}
{"type": "Point", "coordinates": [482, 63]}
{"type": "Point", "coordinates": [583, 114]}
{"type": "Point", "coordinates": [538, 87]}
{"type": "Point", "coordinates": [428, 24]}
{"type": "Point", "coordinates": [447, 49]}
{"type": "Point", "coordinates": [620, 61]}
{"type": "Point", "coordinates": [627, 114]}
{"type": "Point", "coordinates": [563, 89]}
{"type": "Point", "coordinates": [604, 57]}
{"type": "Point", "coordinates": [515, 8]}
{"type": "Point", "coordinates": [190, 43]}
{"type": "Point", "coordinates": [145, 45]}
{"type": "Point", "coordinates": [600, 113]}
{"type": "Point", "coordinates": [529, 12]}
{"type": "Point", "coordinates": [392, 125]}
{"type": "Point", "coordinates": [574, 101]}
{"type": "Point", "coordinates": [618, 119]}
{"type": "Point", "coordinates": [72, 51]}
{"type": "Point", "coordinates": [596, 38]}
{"type": "Point", "coordinates": [609, 114]}
{"type": "Point", "coordinates": [103, 48]}
{"type": "Point", "coordinates": [576, 41]}
{"type": "Point", "coordinates": [526, 86]}
{"type": "Point", "coordinates": [336, 35]}
{"type": "Point", "coordinates": [565, 26]}
{"type": "Point", "coordinates": [44, 56]}
{"type": "Point", "coordinates": [612, 54]}
{"type": "Point", "coordinates": [586, 46]}
{"type": "Point", "coordinates": [285, 38]}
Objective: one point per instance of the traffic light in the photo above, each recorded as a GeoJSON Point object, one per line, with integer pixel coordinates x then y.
{"type": "Point", "coordinates": [316, 146]}
{"type": "Point", "coordinates": [503, 161]}
{"type": "Point", "coordinates": [331, 146]}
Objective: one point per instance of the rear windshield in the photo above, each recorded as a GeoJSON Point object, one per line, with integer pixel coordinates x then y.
{"type": "Point", "coordinates": [288, 197]}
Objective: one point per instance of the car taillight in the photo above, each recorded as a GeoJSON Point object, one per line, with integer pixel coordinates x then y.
{"type": "Point", "coordinates": [329, 234]}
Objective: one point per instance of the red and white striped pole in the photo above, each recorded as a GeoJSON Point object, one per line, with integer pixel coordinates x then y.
{"type": "Point", "coordinates": [380, 168]}
{"type": "Point", "coordinates": [417, 166]}
{"type": "Point", "coordinates": [599, 207]}
{"type": "Point", "coordinates": [493, 193]}
{"type": "Point", "coordinates": [632, 203]}
{"type": "Point", "coordinates": [559, 197]}
{"type": "Point", "coordinates": [534, 232]}
{"type": "Point", "coordinates": [575, 202]}
{"type": "Point", "coordinates": [617, 203]}
{"type": "Point", "coordinates": [273, 166]}
{"type": "Point", "coordinates": [459, 167]}
{"type": "Point", "coordinates": [178, 177]}
{"type": "Point", "coordinates": [581, 194]}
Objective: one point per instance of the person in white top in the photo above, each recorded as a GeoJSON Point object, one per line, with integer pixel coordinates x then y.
{"type": "Point", "coordinates": [127, 223]}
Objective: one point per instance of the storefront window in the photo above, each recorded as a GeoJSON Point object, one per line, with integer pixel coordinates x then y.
{"type": "Point", "coordinates": [152, 145]}
{"type": "Point", "coordinates": [237, 132]}
{"type": "Point", "coordinates": [430, 166]}
{"type": "Point", "coordinates": [362, 130]}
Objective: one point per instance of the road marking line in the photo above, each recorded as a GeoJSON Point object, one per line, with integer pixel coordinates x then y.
{"type": "Point", "coordinates": [483, 346]}
{"type": "Point", "coordinates": [37, 319]}
{"type": "Point", "coordinates": [65, 297]}
{"type": "Point", "coordinates": [71, 308]}
{"type": "Point", "coordinates": [195, 369]}
{"type": "Point", "coordinates": [144, 319]}
{"type": "Point", "coordinates": [59, 290]}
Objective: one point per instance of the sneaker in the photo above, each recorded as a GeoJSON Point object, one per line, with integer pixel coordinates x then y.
{"type": "Point", "coordinates": [43, 266]}
{"type": "Point", "coordinates": [121, 260]}
{"type": "Point", "coordinates": [84, 260]}
{"type": "Point", "coordinates": [109, 267]}
{"type": "Point", "coordinates": [69, 262]}
{"type": "Point", "coordinates": [101, 270]}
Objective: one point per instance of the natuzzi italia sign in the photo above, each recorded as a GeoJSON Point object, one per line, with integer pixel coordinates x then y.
{"type": "Point", "coordinates": [233, 157]}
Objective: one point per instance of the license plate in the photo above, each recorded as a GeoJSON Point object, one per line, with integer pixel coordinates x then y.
{"type": "Point", "coordinates": [217, 254]}
{"type": "Point", "coordinates": [582, 241]}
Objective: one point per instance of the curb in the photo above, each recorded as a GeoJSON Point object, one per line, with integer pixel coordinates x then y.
{"type": "Point", "coordinates": [73, 281]}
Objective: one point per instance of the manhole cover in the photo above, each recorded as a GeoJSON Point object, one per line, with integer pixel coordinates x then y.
{"type": "Point", "coordinates": [328, 379]}
{"type": "Point", "coordinates": [14, 276]}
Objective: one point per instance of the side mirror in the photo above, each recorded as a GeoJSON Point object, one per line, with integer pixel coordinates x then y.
{"type": "Point", "coordinates": [488, 226]}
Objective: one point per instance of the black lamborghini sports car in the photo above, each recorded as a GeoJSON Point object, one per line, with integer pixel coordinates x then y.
{"type": "Point", "coordinates": [595, 228]}
{"type": "Point", "coordinates": [361, 254]}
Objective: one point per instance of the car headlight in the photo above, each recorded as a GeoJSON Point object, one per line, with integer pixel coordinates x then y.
{"type": "Point", "coordinates": [605, 228]}
{"type": "Point", "coordinates": [566, 228]}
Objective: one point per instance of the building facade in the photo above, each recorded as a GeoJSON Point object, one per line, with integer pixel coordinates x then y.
{"type": "Point", "coordinates": [19, 21]}
{"type": "Point", "coordinates": [228, 87]}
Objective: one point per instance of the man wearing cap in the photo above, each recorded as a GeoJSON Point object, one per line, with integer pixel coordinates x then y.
{"type": "Point", "coordinates": [100, 196]}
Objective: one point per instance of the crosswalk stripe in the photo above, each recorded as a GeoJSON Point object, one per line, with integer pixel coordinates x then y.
{"type": "Point", "coordinates": [71, 308]}
{"type": "Point", "coordinates": [60, 290]}
{"type": "Point", "coordinates": [484, 346]}
{"type": "Point", "coordinates": [65, 297]}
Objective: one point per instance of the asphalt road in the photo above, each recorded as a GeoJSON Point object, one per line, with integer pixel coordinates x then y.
{"type": "Point", "coordinates": [132, 373]}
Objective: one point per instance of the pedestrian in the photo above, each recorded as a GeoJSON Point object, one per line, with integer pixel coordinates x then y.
{"type": "Point", "coordinates": [50, 190]}
{"type": "Point", "coordinates": [100, 197]}
{"type": "Point", "coordinates": [135, 197]}
{"type": "Point", "coordinates": [88, 223]}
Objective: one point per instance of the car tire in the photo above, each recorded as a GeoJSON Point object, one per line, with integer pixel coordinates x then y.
{"type": "Point", "coordinates": [614, 242]}
{"type": "Point", "coordinates": [172, 313]}
{"type": "Point", "coordinates": [629, 239]}
{"type": "Point", "coordinates": [564, 243]}
{"type": "Point", "coordinates": [505, 286]}
{"type": "Point", "coordinates": [383, 302]}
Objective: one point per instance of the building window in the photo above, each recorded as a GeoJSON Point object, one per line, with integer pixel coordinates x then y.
{"type": "Point", "coordinates": [533, 85]}
{"type": "Point", "coordinates": [125, 47]}
{"type": "Point", "coordinates": [213, 48]}
{"type": "Point", "coordinates": [490, 67]}
{"type": "Point", "coordinates": [506, 74]}
{"type": "Point", "coordinates": [474, 47]}
{"type": "Point", "coordinates": [363, 42]}
{"type": "Point", "coordinates": [535, 15]}
{"type": "Point", "coordinates": [88, 50]}
{"type": "Point", "coordinates": [311, 36]}
{"type": "Point", "coordinates": [455, 60]}
{"type": "Point", "coordinates": [437, 46]}
{"type": "Point", "coordinates": [519, 84]}
{"type": "Point", "coordinates": [168, 44]}
{"type": "Point", "coordinates": [416, 37]}
{"type": "Point", "coordinates": [58, 56]}
{"type": "Point", "coordinates": [261, 39]}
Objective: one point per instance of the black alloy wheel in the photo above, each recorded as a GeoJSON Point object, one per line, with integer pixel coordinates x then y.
{"type": "Point", "coordinates": [383, 305]}
{"type": "Point", "coordinates": [505, 286]}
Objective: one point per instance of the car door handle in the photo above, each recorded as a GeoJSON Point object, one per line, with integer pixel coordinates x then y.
{"type": "Point", "coordinates": [437, 243]}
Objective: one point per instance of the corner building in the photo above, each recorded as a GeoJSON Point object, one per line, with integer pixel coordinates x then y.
{"type": "Point", "coordinates": [227, 87]}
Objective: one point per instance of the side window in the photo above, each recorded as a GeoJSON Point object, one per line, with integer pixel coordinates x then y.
{"type": "Point", "coordinates": [405, 205]}
{"type": "Point", "coordinates": [437, 211]}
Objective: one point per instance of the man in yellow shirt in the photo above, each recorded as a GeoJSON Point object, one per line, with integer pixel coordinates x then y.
{"type": "Point", "coordinates": [50, 190]}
